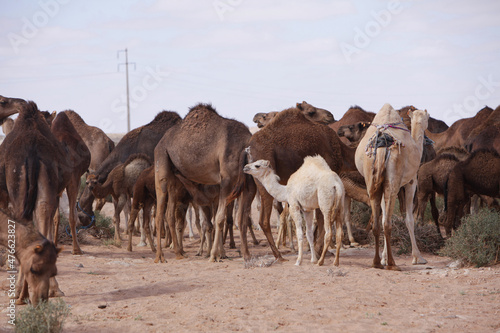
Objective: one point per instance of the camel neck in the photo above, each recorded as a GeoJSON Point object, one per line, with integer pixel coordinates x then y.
{"type": "Point", "coordinates": [270, 182]}
{"type": "Point", "coordinates": [101, 191]}
{"type": "Point", "coordinates": [417, 133]}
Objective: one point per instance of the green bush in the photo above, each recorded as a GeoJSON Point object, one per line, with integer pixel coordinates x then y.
{"type": "Point", "coordinates": [46, 317]}
{"type": "Point", "coordinates": [477, 240]}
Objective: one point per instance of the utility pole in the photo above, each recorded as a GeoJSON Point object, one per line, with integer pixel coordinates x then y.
{"type": "Point", "coordinates": [126, 63]}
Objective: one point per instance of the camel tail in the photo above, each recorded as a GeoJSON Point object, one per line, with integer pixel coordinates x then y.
{"type": "Point", "coordinates": [378, 174]}
{"type": "Point", "coordinates": [32, 167]}
{"type": "Point", "coordinates": [337, 213]}
{"type": "Point", "coordinates": [242, 180]}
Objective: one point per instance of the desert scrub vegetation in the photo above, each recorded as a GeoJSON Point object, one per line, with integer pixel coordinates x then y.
{"type": "Point", "coordinates": [46, 317]}
{"type": "Point", "coordinates": [477, 240]}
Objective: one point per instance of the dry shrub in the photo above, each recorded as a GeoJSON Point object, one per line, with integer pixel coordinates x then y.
{"type": "Point", "coordinates": [102, 229]}
{"type": "Point", "coordinates": [46, 317]}
{"type": "Point", "coordinates": [263, 261]}
{"type": "Point", "coordinates": [477, 240]}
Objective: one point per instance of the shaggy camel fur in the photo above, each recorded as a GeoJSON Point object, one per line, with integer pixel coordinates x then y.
{"type": "Point", "coordinates": [318, 115]}
{"type": "Point", "coordinates": [36, 255]}
{"type": "Point", "coordinates": [99, 144]}
{"type": "Point", "coordinates": [314, 185]}
{"type": "Point", "coordinates": [140, 140]}
{"type": "Point", "coordinates": [387, 169]}
{"type": "Point", "coordinates": [120, 185]}
{"type": "Point", "coordinates": [479, 174]}
{"type": "Point", "coordinates": [203, 132]}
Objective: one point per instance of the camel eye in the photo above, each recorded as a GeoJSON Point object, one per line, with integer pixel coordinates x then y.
{"type": "Point", "coordinates": [257, 166]}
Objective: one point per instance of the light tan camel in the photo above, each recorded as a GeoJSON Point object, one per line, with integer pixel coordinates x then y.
{"type": "Point", "coordinates": [120, 185]}
{"type": "Point", "coordinates": [387, 168]}
{"type": "Point", "coordinates": [314, 185]}
{"type": "Point", "coordinates": [36, 255]}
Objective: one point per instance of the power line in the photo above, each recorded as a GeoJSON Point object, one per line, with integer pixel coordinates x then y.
{"type": "Point", "coordinates": [126, 63]}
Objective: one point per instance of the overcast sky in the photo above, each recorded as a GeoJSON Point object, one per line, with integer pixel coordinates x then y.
{"type": "Point", "coordinates": [249, 56]}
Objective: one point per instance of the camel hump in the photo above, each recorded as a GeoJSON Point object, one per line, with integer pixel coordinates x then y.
{"type": "Point", "coordinates": [138, 156]}
{"type": "Point", "coordinates": [31, 109]}
{"type": "Point", "coordinates": [318, 161]}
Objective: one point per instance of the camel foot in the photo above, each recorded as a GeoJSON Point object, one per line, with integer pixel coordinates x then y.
{"type": "Point", "coordinates": [354, 244]}
{"type": "Point", "coordinates": [419, 261]}
{"type": "Point", "coordinates": [232, 246]}
{"type": "Point", "coordinates": [281, 259]}
{"type": "Point", "coordinates": [129, 248]}
{"type": "Point", "coordinates": [379, 266]}
{"type": "Point", "coordinates": [21, 302]}
{"type": "Point", "coordinates": [198, 254]}
{"type": "Point", "coordinates": [393, 268]}
{"type": "Point", "coordinates": [336, 263]}
{"type": "Point", "coordinates": [160, 258]}
{"type": "Point", "coordinates": [77, 252]}
{"type": "Point", "coordinates": [142, 244]}
{"type": "Point", "coordinates": [297, 263]}
{"type": "Point", "coordinates": [256, 242]}
{"type": "Point", "coordinates": [179, 256]}
{"type": "Point", "coordinates": [320, 262]}
{"type": "Point", "coordinates": [214, 259]}
{"type": "Point", "coordinates": [56, 293]}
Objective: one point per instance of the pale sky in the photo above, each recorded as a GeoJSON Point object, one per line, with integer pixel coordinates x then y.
{"type": "Point", "coordinates": [249, 56]}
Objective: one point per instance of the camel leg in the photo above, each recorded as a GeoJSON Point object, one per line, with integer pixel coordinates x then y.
{"type": "Point", "coordinates": [265, 223]}
{"type": "Point", "coordinates": [309, 217]}
{"type": "Point", "coordinates": [119, 205]}
{"type": "Point", "coordinates": [327, 240]}
{"type": "Point", "coordinates": [250, 228]}
{"type": "Point", "coordinates": [389, 201]}
{"type": "Point", "coordinates": [347, 219]}
{"type": "Point", "coordinates": [435, 213]}
{"type": "Point", "coordinates": [72, 191]}
{"type": "Point", "coordinates": [297, 217]}
{"type": "Point", "coordinates": [410, 223]}
{"type": "Point", "coordinates": [216, 254]}
{"type": "Point", "coordinates": [57, 221]}
{"type": "Point", "coordinates": [130, 228]}
{"type": "Point", "coordinates": [375, 201]}
{"type": "Point", "coordinates": [319, 232]}
{"type": "Point", "coordinates": [289, 226]}
{"type": "Point", "coordinates": [161, 203]}
{"type": "Point", "coordinates": [228, 226]}
{"type": "Point", "coordinates": [141, 226]}
{"type": "Point", "coordinates": [180, 217]}
{"type": "Point", "coordinates": [202, 218]}
{"type": "Point", "coordinates": [147, 224]}
{"type": "Point", "coordinates": [281, 239]}
{"type": "Point", "coordinates": [189, 218]}
{"type": "Point", "coordinates": [338, 236]}
{"type": "Point", "coordinates": [24, 294]}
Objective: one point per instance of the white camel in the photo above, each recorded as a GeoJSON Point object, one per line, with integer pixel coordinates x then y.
{"type": "Point", "coordinates": [314, 185]}
{"type": "Point", "coordinates": [389, 167]}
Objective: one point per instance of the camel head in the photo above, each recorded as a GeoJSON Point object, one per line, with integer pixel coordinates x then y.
{"type": "Point", "coordinates": [353, 132]}
{"type": "Point", "coordinates": [38, 266]}
{"type": "Point", "coordinates": [315, 114]}
{"type": "Point", "coordinates": [91, 181]}
{"type": "Point", "coordinates": [258, 168]}
{"type": "Point", "coordinates": [10, 106]}
{"type": "Point", "coordinates": [262, 119]}
{"type": "Point", "coordinates": [419, 117]}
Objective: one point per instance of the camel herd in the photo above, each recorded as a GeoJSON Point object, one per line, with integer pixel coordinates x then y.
{"type": "Point", "coordinates": [301, 156]}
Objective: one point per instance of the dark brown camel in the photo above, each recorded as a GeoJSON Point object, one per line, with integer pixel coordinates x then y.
{"type": "Point", "coordinates": [435, 125]}
{"type": "Point", "coordinates": [459, 131]}
{"type": "Point", "coordinates": [10, 106]}
{"type": "Point", "coordinates": [286, 154]}
{"type": "Point", "coordinates": [311, 112]}
{"type": "Point", "coordinates": [36, 255]}
{"type": "Point", "coordinates": [99, 144]}
{"type": "Point", "coordinates": [479, 174]}
{"type": "Point", "coordinates": [140, 140]}
{"type": "Point", "coordinates": [354, 132]}
{"type": "Point", "coordinates": [120, 185]}
{"type": "Point", "coordinates": [219, 141]}
{"type": "Point", "coordinates": [486, 135]}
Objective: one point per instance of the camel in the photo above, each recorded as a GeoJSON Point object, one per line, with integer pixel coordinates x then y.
{"type": "Point", "coordinates": [479, 174]}
{"type": "Point", "coordinates": [354, 132]}
{"type": "Point", "coordinates": [10, 106]}
{"type": "Point", "coordinates": [36, 256]}
{"type": "Point", "coordinates": [143, 197]}
{"type": "Point", "coordinates": [120, 185]}
{"type": "Point", "coordinates": [99, 144]}
{"type": "Point", "coordinates": [486, 135]}
{"type": "Point", "coordinates": [459, 131]}
{"type": "Point", "coordinates": [313, 113]}
{"type": "Point", "coordinates": [314, 185]}
{"type": "Point", "coordinates": [353, 115]}
{"type": "Point", "coordinates": [140, 140]}
{"type": "Point", "coordinates": [387, 168]}
{"type": "Point", "coordinates": [7, 126]}
{"type": "Point", "coordinates": [286, 154]}
{"type": "Point", "coordinates": [434, 126]}
{"type": "Point", "coordinates": [202, 133]}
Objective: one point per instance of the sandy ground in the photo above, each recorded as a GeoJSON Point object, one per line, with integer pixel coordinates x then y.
{"type": "Point", "coordinates": [112, 290]}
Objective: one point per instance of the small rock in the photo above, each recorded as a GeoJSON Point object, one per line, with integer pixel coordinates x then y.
{"type": "Point", "coordinates": [102, 306]}
{"type": "Point", "coordinates": [456, 264]}
{"type": "Point", "coordinates": [79, 266]}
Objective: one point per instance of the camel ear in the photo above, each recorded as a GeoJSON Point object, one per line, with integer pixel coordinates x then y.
{"type": "Point", "coordinates": [266, 163]}
{"type": "Point", "coordinates": [299, 106]}
{"type": "Point", "coordinates": [38, 249]}
{"type": "Point", "coordinates": [410, 113]}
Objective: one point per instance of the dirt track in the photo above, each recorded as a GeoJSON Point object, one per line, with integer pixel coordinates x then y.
{"type": "Point", "coordinates": [195, 295]}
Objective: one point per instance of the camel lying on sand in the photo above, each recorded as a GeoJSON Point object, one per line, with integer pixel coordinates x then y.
{"type": "Point", "coordinates": [388, 157]}
{"type": "Point", "coordinates": [314, 185]}
{"type": "Point", "coordinates": [36, 255]}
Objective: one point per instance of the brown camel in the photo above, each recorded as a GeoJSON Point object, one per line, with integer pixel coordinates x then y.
{"type": "Point", "coordinates": [459, 131]}
{"type": "Point", "coordinates": [203, 132]}
{"type": "Point", "coordinates": [286, 154]}
{"type": "Point", "coordinates": [313, 113]}
{"type": "Point", "coordinates": [479, 174]}
{"type": "Point", "coordinates": [7, 125]}
{"type": "Point", "coordinates": [36, 256]}
{"type": "Point", "coordinates": [10, 106]}
{"type": "Point", "coordinates": [388, 157]}
{"type": "Point", "coordinates": [435, 125]}
{"type": "Point", "coordinates": [143, 197]}
{"type": "Point", "coordinates": [486, 135]}
{"type": "Point", "coordinates": [120, 185]}
{"type": "Point", "coordinates": [353, 115]}
{"type": "Point", "coordinates": [354, 132]}
{"type": "Point", "coordinates": [140, 140]}
{"type": "Point", "coordinates": [99, 144]}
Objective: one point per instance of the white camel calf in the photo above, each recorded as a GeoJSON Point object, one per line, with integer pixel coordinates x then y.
{"type": "Point", "coordinates": [313, 185]}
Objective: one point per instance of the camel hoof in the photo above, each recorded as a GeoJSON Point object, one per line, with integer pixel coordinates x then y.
{"type": "Point", "coordinates": [320, 263]}
{"type": "Point", "coordinates": [256, 242]}
{"type": "Point", "coordinates": [212, 259]}
{"type": "Point", "coordinates": [379, 266]}
{"type": "Point", "coordinates": [393, 268]}
{"type": "Point", "coordinates": [179, 257]}
{"type": "Point", "coordinates": [77, 252]}
{"type": "Point", "coordinates": [20, 302]}
{"type": "Point", "coordinates": [142, 244]}
{"type": "Point", "coordinates": [297, 263]}
{"type": "Point", "coordinates": [419, 261]}
{"type": "Point", "coordinates": [232, 246]}
{"type": "Point", "coordinates": [281, 259]}
{"type": "Point", "coordinates": [354, 244]}
{"type": "Point", "coordinates": [56, 293]}
{"type": "Point", "coordinates": [159, 259]}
